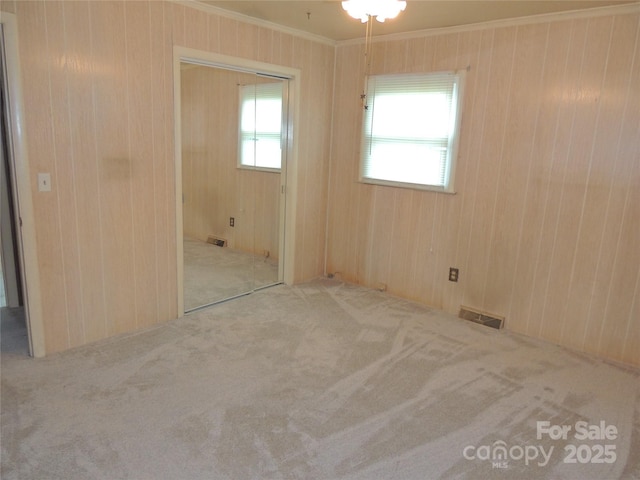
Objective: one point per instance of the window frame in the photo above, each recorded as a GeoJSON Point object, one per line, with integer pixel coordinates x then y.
{"type": "Point", "coordinates": [454, 138]}
{"type": "Point", "coordinates": [241, 96]}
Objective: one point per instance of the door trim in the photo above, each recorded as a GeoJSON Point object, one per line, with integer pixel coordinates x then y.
{"type": "Point", "coordinates": [288, 173]}
{"type": "Point", "coordinates": [19, 161]}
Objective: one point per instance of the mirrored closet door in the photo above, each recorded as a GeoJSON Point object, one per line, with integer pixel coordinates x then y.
{"type": "Point", "coordinates": [234, 126]}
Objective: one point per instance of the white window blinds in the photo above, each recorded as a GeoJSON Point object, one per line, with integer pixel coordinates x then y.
{"type": "Point", "coordinates": [410, 128]}
{"type": "Point", "coordinates": [261, 125]}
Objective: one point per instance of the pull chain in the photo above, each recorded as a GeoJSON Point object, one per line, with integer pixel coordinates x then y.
{"type": "Point", "coordinates": [367, 60]}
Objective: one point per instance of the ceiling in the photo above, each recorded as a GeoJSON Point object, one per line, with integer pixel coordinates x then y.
{"type": "Point", "coordinates": [326, 18]}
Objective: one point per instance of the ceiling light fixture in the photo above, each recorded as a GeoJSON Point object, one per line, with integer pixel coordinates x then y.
{"type": "Point", "coordinates": [366, 11]}
{"type": "Point", "coordinates": [378, 9]}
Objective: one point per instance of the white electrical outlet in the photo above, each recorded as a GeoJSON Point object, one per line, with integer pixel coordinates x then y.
{"type": "Point", "coordinates": [44, 182]}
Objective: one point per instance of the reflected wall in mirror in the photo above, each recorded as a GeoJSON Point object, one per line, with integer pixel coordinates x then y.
{"type": "Point", "coordinates": [231, 205]}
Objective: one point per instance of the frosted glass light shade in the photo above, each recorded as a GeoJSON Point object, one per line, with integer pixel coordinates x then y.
{"type": "Point", "coordinates": [380, 9]}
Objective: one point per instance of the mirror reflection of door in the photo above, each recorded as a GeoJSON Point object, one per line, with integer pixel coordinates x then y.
{"type": "Point", "coordinates": [233, 129]}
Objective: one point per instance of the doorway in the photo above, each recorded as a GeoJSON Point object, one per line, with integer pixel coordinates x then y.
{"type": "Point", "coordinates": [13, 324]}
{"type": "Point", "coordinates": [233, 153]}
{"type": "Point", "coordinates": [19, 256]}
{"type": "Point", "coordinates": [10, 274]}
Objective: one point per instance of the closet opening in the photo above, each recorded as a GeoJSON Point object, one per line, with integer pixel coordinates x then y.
{"type": "Point", "coordinates": [234, 154]}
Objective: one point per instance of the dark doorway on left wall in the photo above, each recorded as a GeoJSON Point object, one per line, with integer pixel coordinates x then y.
{"type": "Point", "coordinates": [13, 328]}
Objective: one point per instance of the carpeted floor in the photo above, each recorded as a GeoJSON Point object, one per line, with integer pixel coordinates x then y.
{"type": "Point", "coordinates": [318, 381]}
{"type": "Point", "coordinates": [213, 274]}
{"type": "Point", "coordinates": [13, 331]}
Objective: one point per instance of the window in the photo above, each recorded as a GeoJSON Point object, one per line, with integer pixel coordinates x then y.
{"type": "Point", "coordinates": [410, 130]}
{"type": "Point", "coordinates": [261, 126]}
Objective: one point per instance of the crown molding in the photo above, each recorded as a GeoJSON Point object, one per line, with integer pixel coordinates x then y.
{"type": "Point", "coordinates": [221, 12]}
{"type": "Point", "coordinates": [632, 8]}
{"type": "Point", "coordinates": [508, 22]}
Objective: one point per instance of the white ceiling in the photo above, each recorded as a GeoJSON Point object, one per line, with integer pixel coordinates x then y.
{"type": "Point", "coordinates": [326, 18]}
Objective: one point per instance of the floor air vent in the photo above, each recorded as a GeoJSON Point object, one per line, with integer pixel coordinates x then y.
{"type": "Point", "coordinates": [217, 241]}
{"type": "Point", "coordinates": [483, 318]}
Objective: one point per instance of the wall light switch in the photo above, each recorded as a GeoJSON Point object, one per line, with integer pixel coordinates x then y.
{"type": "Point", "coordinates": [44, 182]}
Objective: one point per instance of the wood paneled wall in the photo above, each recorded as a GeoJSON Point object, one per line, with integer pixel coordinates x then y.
{"type": "Point", "coordinates": [214, 188]}
{"type": "Point", "coordinates": [98, 94]}
{"type": "Point", "coordinates": [545, 225]}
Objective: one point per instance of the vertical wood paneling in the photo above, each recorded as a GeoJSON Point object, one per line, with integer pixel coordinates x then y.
{"type": "Point", "coordinates": [583, 95]}
{"type": "Point", "coordinates": [445, 55]}
{"type": "Point", "coordinates": [34, 58]}
{"type": "Point", "coordinates": [631, 349]}
{"type": "Point", "coordinates": [247, 40]}
{"type": "Point", "coordinates": [214, 33]}
{"type": "Point", "coordinates": [415, 55]}
{"type": "Point", "coordinates": [475, 106]}
{"type": "Point", "coordinates": [621, 160]}
{"type": "Point", "coordinates": [82, 126]}
{"type": "Point", "coordinates": [395, 56]}
{"type": "Point", "coordinates": [176, 17]}
{"type": "Point", "coordinates": [111, 98]}
{"type": "Point", "coordinates": [196, 29]}
{"type": "Point", "coordinates": [64, 172]}
{"type": "Point", "coordinates": [285, 55]}
{"type": "Point", "coordinates": [574, 37]}
{"type": "Point", "coordinates": [513, 177]}
{"type": "Point", "coordinates": [380, 242]}
{"type": "Point", "coordinates": [340, 180]}
{"type": "Point", "coordinates": [275, 47]}
{"type": "Point", "coordinates": [316, 171]}
{"type": "Point", "coordinates": [545, 215]}
{"type": "Point", "coordinates": [162, 146]}
{"type": "Point", "coordinates": [445, 58]}
{"type": "Point", "coordinates": [468, 48]}
{"type": "Point", "coordinates": [594, 204]}
{"type": "Point", "coordinates": [90, 107]}
{"type": "Point", "coordinates": [139, 78]}
{"type": "Point", "coordinates": [406, 210]}
{"type": "Point", "coordinates": [530, 267]}
{"type": "Point", "coordinates": [551, 240]}
{"type": "Point", "coordinates": [265, 47]}
{"type": "Point", "coordinates": [615, 328]}
{"type": "Point", "coordinates": [98, 89]}
{"type": "Point", "coordinates": [301, 58]}
{"type": "Point", "coordinates": [309, 58]}
{"type": "Point", "coordinates": [170, 179]}
{"type": "Point", "coordinates": [493, 138]}
{"type": "Point", "coordinates": [228, 36]}
{"type": "Point", "coordinates": [619, 310]}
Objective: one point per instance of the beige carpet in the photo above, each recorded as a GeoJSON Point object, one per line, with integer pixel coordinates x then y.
{"type": "Point", "coordinates": [319, 381]}
{"type": "Point", "coordinates": [213, 274]}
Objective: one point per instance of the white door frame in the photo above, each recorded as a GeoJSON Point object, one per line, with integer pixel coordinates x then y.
{"type": "Point", "coordinates": [19, 162]}
{"type": "Point", "coordinates": [288, 174]}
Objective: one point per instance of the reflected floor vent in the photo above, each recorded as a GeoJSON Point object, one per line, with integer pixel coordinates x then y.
{"type": "Point", "coordinates": [483, 318]}
{"type": "Point", "coordinates": [217, 241]}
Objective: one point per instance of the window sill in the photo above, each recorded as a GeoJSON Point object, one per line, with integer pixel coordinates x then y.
{"type": "Point", "coordinates": [410, 186]}
{"type": "Point", "coordinates": [259, 169]}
